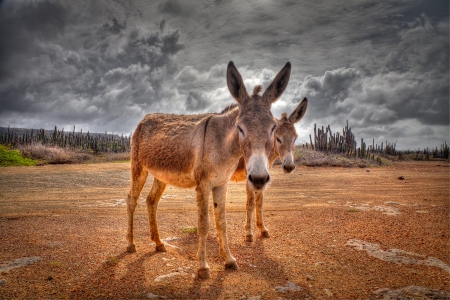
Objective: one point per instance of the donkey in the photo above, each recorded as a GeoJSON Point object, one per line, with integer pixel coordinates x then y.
{"type": "Point", "coordinates": [285, 136]}
{"type": "Point", "coordinates": [203, 151]}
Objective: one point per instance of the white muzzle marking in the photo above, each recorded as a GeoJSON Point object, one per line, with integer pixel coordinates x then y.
{"type": "Point", "coordinates": [258, 171]}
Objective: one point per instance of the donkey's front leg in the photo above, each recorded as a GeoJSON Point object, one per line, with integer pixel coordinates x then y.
{"type": "Point", "coordinates": [259, 218]}
{"type": "Point", "coordinates": [219, 197]}
{"type": "Point", "coordinates": [153, 197]}
{"type": "Point", "coordinates": [250, 207]}
{"type": "Point", "coordinates": [203, 227]}
{"type": "Point", "coordinates": [138, 177]}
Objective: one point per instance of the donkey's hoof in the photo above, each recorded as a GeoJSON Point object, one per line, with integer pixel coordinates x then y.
{"type": "Point", "coordinates": [131, 248]}
{"type": "Point", "coordinates": [203, 273]}
{"type": "Point", "coordinates": [249, 238]}
{"type": "Point", "coordinates": [161, 248]}
{"type": "Point", "coordinates": [231, 266]}
{"type": "Point", "coordinates": [265, 234]}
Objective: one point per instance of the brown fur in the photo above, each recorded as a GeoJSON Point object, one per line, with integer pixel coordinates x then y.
{"type": "Point", "coordinates": [203, 151]}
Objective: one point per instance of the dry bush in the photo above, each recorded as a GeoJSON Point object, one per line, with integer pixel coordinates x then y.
{"type": "Point", "coordinates": [58, 155]}
{"type": "Point", "coordinates": [111, 157]}
{"type": "Point", "coordinates": [53, 155]}
{"type": "Point", "coordinates": [313, 158]}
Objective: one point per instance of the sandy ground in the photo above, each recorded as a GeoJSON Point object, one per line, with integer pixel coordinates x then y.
{"type": "Point", "coordinates": [336, 233]}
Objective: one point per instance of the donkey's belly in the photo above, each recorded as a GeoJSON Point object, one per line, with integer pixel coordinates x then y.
{"type": "Point", "coordinates": [183, 180]}
{"type": "Point", "coordinates": [239, 175]}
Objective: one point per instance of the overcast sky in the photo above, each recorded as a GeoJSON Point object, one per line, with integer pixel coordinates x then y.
{"type": "Point", "coordinates": [103, 65]}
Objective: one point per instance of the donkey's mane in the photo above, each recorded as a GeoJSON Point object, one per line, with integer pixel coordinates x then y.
{"type": "Point", "coordinates": [228, 108]}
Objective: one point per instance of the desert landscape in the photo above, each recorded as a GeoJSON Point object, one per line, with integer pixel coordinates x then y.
{"type": "Point", "coordinates": [335, 233]}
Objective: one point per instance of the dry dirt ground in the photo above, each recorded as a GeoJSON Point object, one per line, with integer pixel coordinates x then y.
{"type": "Point", "coordinates": [336, 233]}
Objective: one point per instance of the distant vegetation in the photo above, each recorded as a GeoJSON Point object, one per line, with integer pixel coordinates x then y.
{"type": "Point", "coordinates": [90, 142]}
{"type": "Point", "coordinates": [425, 154]}
{"type": "Point", "coordinates": [312, 158]}
{"type": "Point", "coordinates": [37, 147]}
{"type": "Point", "coordinates": [345, 145]}
{"type": "Point", "coordinates": [60, 147]}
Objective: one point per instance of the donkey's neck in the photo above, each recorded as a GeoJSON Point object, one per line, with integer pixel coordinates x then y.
{"type": "Point", "coordinates": [222, 138]}
{"type": "Point", "coordinates": [273, 155]}
{"type": "Point", "coordinates": [231, 137]}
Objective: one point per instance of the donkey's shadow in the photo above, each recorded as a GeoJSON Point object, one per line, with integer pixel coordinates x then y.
{"type": "Point", "coordinates": [104, 282]}
{"type": "Point", "coordinates": [262, 267]}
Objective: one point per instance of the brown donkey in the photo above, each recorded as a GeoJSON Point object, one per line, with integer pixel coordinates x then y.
{"type": "Point", "coordinates": [285, 136]}
{"type": "Point", "coordinates": [203, 151]}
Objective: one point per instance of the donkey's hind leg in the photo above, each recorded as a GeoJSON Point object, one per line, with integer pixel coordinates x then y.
{"type": "Point", "coordinates": [138, 178]}
{"type": "Point", "coordinates": [153, 197]}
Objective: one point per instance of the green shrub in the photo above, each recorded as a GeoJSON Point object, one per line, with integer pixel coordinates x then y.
{"type": "Point", "coordinates": [189, 230]}
{"type": "Point", "coordinates": [112, 260]}
{"type": "Point", "coordinates": [10, 157]}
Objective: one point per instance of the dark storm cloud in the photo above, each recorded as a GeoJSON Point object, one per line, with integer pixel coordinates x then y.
{"type": "Point", "coordinates": [178, 8]}
{"type": "Point", "coordinates": [414, 87]}
{"type": "Point", "coordinates": [21, 27]}
{"type": "Point", "coordinates": [99, 74]}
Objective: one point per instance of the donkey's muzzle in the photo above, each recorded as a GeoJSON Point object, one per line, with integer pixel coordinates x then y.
{"type": "Point", "coordinates": [258, 181]}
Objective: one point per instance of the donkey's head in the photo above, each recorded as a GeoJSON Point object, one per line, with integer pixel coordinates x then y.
{"type": "Point", "coordinates": [285, 135]}
{"type": "Point", "coordinates": [255, 123]}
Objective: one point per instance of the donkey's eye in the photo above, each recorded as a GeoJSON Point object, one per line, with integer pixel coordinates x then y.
{"type": "Point", "coordinates": [273, 128]}
{"type": "Point", "coordinates": [241, 131]}
{"type": "Point", "coordinates": [278, 140]}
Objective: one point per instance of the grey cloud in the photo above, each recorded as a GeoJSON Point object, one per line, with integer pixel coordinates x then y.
{"type": "Point", "coordinates": [196, 101]}
{"type": "Point", "coordinates": [266, 78]}
{"type": "Point", "coordinates": [329, 90]}
{"type": "Point", "coordinates": [190, 76]}
{"type": "Point", "coordinates": [371, 100]}
{"type": "Point", "coordinates": [421, 48]}
{"type": "Point", "coordinates": [203, 90]}
{"type": "Point", "coordinates": [115, 28]}
{"type": "Point", "coordinates": [129, 86]}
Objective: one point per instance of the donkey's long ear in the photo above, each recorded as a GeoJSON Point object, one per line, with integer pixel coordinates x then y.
{"type": "Point", "coordinates": [278, 85]}
{"type": "Point", "coordinates": [235, 83]}
{"type": "Point", "coordinates": [299, 112]}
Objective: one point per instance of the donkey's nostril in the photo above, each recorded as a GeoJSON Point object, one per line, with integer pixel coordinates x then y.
{"type": "Point", "coordinates": [258, 181]}
{"type": "Point", "coordinates": [250, 178]}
